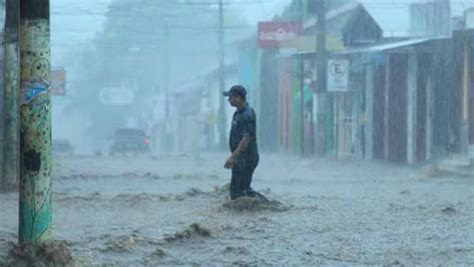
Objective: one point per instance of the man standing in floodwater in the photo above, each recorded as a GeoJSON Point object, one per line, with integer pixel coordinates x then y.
{"type": "Point", "coordinates": [243, 145]}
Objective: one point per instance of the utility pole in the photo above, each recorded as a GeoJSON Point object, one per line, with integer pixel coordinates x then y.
{"type": "Point", "coordinates": [11, 147]}
{"type": "Point", "coordinates": [302, 134]}
{"type": "Point", "coordinates": [166, 86]}
{"type": "Point", "coordinates": [35, 113]}
{"type": "Point", "coordinates": [464, 133]}
{"type": "Point", "coordinates": [167, 69]}
{"type": "Point", "coordinates": [222, 122]}
{"type": "Point", "coordinates": [321, 63]}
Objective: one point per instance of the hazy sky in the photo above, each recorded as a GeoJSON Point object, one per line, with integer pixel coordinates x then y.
{"type": "Point", "coordinates": [75, 22]}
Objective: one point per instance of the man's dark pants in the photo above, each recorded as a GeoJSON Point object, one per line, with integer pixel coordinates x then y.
{"type": "Point", "coordinates": [241, 179]}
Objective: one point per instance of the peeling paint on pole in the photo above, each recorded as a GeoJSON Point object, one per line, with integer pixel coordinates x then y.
{"type": "Point", "coordinates": [35, 114]}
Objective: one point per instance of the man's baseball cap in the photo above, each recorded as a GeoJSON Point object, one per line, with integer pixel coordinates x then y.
{"type": "Point", "coordinates": [236, 90]}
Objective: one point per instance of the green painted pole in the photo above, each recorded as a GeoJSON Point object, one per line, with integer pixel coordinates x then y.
{"type": "Point", "coordinates": [330, 149]}
{"type": "Point", "coordinates": [321, 63]}
{"type": "Point", "coordinates": [35, 115]}
{"type": "Point", "coordinates": [11, 148]}
{"type": "Point", "coordinates": [302, 133]}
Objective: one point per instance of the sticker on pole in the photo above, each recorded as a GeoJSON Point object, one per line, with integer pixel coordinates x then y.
{"type": "Point", "coordinates": [32, 89]}
{"type": "Point", "coordinates": [338, 72]}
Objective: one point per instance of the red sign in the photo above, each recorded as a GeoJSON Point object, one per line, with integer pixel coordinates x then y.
{"type": "Point", "coordinates": [270, 34]}
{"type": "Point", "coordinates": [58, 82]}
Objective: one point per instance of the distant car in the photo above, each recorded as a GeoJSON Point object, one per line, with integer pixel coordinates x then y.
{"type": "Point", "coordinates": [62, 147]}
{"type": "Point", "coordinates": [130, 140]}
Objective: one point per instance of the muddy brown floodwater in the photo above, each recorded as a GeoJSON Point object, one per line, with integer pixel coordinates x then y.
{"type": "Point", "coordinates": [135, 211]}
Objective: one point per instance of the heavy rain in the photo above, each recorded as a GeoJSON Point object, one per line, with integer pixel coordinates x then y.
{"type": "Point", "coordinates": [237, 133]}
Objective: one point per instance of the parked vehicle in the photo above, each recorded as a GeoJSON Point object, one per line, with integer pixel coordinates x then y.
{"type": "Point", "coordinates": [130, 140]}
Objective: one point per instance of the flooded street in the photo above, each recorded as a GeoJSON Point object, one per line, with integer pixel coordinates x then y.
{"type": "Point", "coordinates": [124, 125]}
{"type": "Point", "coordinates": [134, 211]}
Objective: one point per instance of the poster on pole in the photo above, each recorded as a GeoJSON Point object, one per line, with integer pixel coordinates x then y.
{"type": "Point", "coordinates": [338, 75]}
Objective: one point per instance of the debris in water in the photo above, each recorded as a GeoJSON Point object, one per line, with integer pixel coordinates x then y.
{"type": "Point", "coordinates": [137, 174]}
{"type": "Point", "coordinates": [150, 260]}
{"type": "Point", "coordinates": [134, 198]}
{"type": "Point", "coordinates": [405, 192]}
{"type": "Point", "coordinates": [194, 229]}
{"type": "Point", "coordinates": [225, 189]}
{"type": "Point", "coordinates": [55, 253]}
{"type": "Point", "coordinates": [194, 192]}
{"type": "Point", "coordinates": [237, 250]}
{"type": "Point", "coordinates": [87, 198]}
{"type": "Point", "coordinates": [396, 263]}
{"type": "Point", "coordinates": [122, 244]}
{"type": "Point", "coordinates": [430, 171]}
{"type": "Point", "coordinates": [158, 253]}
{"type": "Point", "coordinates": [240, 263]}
{"type": "Point", "coordinates": [179, 198]}
{"type": "Point", "coordinates": [254, 204]}
{"type": "Point", "coordinates": [163, 198]}
{"type": "Point", "coordinates": [449, 211]}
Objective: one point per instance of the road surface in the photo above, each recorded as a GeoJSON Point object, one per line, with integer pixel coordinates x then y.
{"type": "Point", "coordinates": [136, 211]}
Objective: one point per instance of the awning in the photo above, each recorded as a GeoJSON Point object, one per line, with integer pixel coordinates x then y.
{"type": "Point", "coordinates": [388, 46]}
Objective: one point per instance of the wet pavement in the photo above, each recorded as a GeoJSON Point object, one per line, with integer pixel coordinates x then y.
{"type": "Point", "coordinates": [135, 211]}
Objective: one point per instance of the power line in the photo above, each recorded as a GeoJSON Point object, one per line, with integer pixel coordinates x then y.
{"type": "Point", "coordinates": [210, 3]}
{"type": "Point", "coordinates": [213, 27]}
